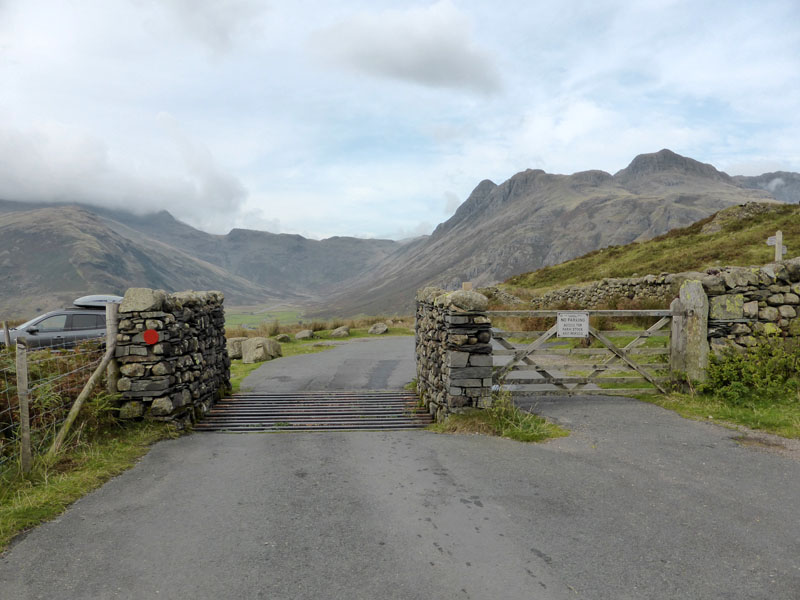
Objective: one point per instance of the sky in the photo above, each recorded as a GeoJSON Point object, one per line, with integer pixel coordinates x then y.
{"type": "Point", "coordinates": [373, 118]}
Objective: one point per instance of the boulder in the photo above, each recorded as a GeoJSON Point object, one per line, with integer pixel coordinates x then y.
{"type": "Point", "coordinates": [131, 410]}
{"type": "Point", "coordinates": [283, 338]}
{"type": "Point", "coordinates": [378, 329]}
{"type": "Point", "coordinates": [341, 332]}
{"type": "Point", "coordinates": [468, 301]}
{"type": "Point", "coordinates": [235, 346]}
{"type": "Point", "coordinates": [161, 407]}
{"type": "Point", "coordinates": [142, 300]}
{"type": "Point", "coordinates": [305, 334]}
{"type": "Point", "coordinates": [259, 349]}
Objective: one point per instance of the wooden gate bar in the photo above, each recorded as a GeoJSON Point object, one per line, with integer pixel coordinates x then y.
{"type": "Point", "coordinates": [521, 355]}
{"type": "Point", "coordinates": [524, 356]}
{"type": "Point", "coordinates": [577, 379]}
{"type": "Point", "coordinates": [619, 333]}
{"type": "Point", "coordinates": [609, 344]}
{"type": "Point", "coordinates": [592, 313]}
{"type": "Point", "coordinates": [652, 330]}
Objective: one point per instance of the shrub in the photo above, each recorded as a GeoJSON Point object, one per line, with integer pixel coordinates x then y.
{"type": "Point", "coordinates": [766, 373]}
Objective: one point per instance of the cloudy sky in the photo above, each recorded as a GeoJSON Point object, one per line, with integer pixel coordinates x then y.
{"type": "Point", "coordinates": [375, 118]}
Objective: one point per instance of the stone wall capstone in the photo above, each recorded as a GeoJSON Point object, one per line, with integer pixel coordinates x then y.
{"type": "Point", "coordinates": [453, 351]}
{"type": "Point", "coordinates": [172, 354]}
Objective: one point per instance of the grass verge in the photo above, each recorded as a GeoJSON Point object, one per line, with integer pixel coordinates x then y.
{"type": "Point", "coordinates": [780, 419]}
{"type": "Point", "coordinates": [502, 419]}
{"type": "Point", "coordinates": [49, 489]}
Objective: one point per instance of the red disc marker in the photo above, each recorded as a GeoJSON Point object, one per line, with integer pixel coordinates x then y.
{"type": "Point", "coordinates": [150, 336]}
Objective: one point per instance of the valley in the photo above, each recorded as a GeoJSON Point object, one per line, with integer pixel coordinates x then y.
{"type": "Point", "coordinates": [52, 253]}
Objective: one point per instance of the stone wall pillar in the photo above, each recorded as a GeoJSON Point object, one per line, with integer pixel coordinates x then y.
{"type": "Point", "coordinates": [172, 353]}
{"type": "Point", "coordinates": [689, 339]}
{"type": "Point", "coordinates": [453, 351]}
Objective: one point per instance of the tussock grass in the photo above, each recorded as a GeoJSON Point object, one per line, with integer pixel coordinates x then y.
{"type": "Point", "coordinates": [503, 419]}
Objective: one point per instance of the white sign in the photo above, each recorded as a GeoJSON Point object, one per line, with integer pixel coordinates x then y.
{"type": "Point", "coordinates": [771, 240]}
{"type": "Point", "coordinates": [573, 324]}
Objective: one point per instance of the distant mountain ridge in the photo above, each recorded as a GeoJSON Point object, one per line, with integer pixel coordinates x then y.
{"type": "Point", "coordinates": [533, 219]}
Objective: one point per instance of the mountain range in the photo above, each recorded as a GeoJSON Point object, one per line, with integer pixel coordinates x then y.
{"type": "Point", "coordinates": [50, 254]}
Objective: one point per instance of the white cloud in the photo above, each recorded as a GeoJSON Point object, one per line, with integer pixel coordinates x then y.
{"type": "Point", "coordinates": [774, 184]}
{"type": "Point", "coordinates": [268, 139]}
{"type": "Point", "coordinates": [451, 202]}
{"type": "Point", "coordinates": [431, 46]}
{"type": "Point", "coordinates": [216, 23]}
{"type": "Point", "coordinates": [57, 163]}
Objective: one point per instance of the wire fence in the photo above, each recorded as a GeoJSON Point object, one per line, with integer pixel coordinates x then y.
{"type": "Point", "coordinates": [56, 375]}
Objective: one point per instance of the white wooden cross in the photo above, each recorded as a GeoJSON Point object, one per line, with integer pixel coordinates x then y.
{"type": "Point", "coordinates": [777, 241]}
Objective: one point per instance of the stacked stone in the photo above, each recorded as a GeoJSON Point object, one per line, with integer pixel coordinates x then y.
{"type": "Point", "coordinates": [453, 351]}
{"type": "Point", "coordinates": [745, 302]}
{"type": "Point", "coordinates": [607, 291]}
{"type": "Point", "coordinates": [172, 354]}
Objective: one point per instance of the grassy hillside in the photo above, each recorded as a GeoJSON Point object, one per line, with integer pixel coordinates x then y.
{"type": "Point", "coordinates": [734, 236]}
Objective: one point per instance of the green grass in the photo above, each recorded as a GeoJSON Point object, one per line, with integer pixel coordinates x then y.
{"type": "Point", "coordinates": [49, 489]}
{"type": "Point", "coordinates": [503, 419]}
{"type": "Point", "coordinates": [780, 419]}
{"type": "Point", "coordinates": [239, 371]}
{"type": "Point", "coordinates": [740, 242]}
{"type": "Point", "coordinates": [238, 318]}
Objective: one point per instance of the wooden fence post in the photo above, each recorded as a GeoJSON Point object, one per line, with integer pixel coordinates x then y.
{"type": "Point", "coordinates": [26, 457]}
{"type": "Point", "coordinates": [6, 335]}
{"type": "Point", "coordinates": [689, 339]}
{"type": "Point", "coordinates": [112, 325]}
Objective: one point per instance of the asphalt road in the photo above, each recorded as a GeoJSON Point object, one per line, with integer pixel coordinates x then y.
{"type": "Point", "coordinates": [637, 503]}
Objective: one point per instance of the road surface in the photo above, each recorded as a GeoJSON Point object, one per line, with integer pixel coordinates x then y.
{"type": "Point", "coordinates": [637, 503]}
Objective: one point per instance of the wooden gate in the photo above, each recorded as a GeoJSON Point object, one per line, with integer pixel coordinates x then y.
{"type": "Point", "coordinates": [540, 362]}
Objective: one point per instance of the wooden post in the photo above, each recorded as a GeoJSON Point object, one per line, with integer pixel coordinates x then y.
{"type": "Point", "coordinates": [689, 340]}
{"type": "Point", "coordinates": [778, 246]}
{"type": "Point", "coordinates": [87, 390]}
{"type": "Point", "coordinates": [7, 335]}
{"type": "Point", "coordinates": [26, 457]}
{"type": "Point", "coordinates": [112, 325]}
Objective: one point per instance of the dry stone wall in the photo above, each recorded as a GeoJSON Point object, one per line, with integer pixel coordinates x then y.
{"type": "Point", "coordinates": [453, 351]}
{"type": "Point", "coordinates": [657, 288]}
{"type": "Point", "coordinates": [748, 302]}
{"type": "Point", "coordinates": [172, 354]}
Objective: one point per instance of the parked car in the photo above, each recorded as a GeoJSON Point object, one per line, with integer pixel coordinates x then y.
{"type": "Point", "coordinates": [85, 320]}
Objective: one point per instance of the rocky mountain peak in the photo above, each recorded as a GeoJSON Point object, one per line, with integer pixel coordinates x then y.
{"type": "Point", "coordinates": [645, 165]}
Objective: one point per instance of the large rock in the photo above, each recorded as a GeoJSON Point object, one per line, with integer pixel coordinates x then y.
{"type": "Point", "coordinates": [730, 306]}
{"type": "Point", "coordinates": [467, 301]}
{"type": "Point", "coordinates": [378, 329]}
{"type": "Point", "coordinates": [282, 338]}
{"type": "Point", "coordinates": [259, 349]}
{"type": "Point", "coordinates": [305, 334]}
{"type": "Point", "coordinates": [235, 346]}
{"type": "Point", "coordinates": [341, 332]}
{"type": "Point", "coordinates": [738, 277]}
{"type": "Point", "coordinates": [142, 300]}
{"type": "Point", "coordinates": [161, 407]}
